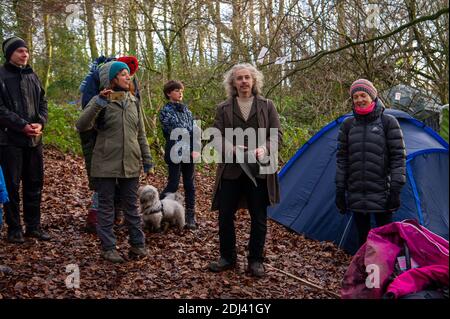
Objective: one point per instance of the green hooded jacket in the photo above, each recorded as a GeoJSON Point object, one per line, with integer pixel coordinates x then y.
{"type": "Point", "coordinates": [121, 147]}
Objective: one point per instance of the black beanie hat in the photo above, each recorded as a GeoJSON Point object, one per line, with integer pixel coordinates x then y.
{"type": "Point", "coordinates": [12, 44]}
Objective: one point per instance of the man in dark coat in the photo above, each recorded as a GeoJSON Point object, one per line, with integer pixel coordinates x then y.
{"type": "Point", "coordinates": [23, 114]}
{"type": "Point", "coordinates": [371, 161]}
{"type": "Point", "coordinates": [240, 181]}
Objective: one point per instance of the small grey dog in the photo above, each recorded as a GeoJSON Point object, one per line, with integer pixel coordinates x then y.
{"type": "Point", "coordinates": [156, 212]}
{"type": "Point", "coordinates": [176, 197]}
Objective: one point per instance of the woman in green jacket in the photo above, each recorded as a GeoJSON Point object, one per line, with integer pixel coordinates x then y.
{"type": "Point", "coordinates": [120, 151]}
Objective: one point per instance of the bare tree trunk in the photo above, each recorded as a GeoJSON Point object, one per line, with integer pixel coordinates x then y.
{"type": "Point", "coordinates": [318, 39]}
{"type": "Point", "coordinates": [180, 20]}
{"type": "Point", "coordinates": [271, 26]}
{"type": "Point", "coordinates": [200, 34]}
{"type": "Point", "coordinates": [149, 34]}
{"type": "Point", "coordinates": [91, 27]}
{"type": "Point", "coordinates": [132, 31]}
{"type": "Point", "coordinates": [214, 12]}
{"type": "Point", "coordinates": [48, 51]}
{"type": "Point", "coordinates": [262, 23]}
{"type": "Point", "coordinates": [114, 28]}
{"type": "Point", "coordinates": [24, 13]}
{"type": "Point", "coordinates": [236, 31]}
{"type": "Point", "coordinates": [253, 39]}
{"type": "Point", "coordinates": [123, 34]}
{"type": "Point", "coordinates": [105, 29]}
{"type": "Point", "coordinates": [341, 22]}
{"type": "Point", "coordinates": [166, 40]}
{"type": "Point", "coordinates": [2, 36]}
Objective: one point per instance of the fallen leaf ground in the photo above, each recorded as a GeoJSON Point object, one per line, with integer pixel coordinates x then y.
{"type": "Point", "coordinates": [177, 264]}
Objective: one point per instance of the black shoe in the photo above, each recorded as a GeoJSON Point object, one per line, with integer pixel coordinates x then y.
{"type": "Point", "coordinates": [5, 270]}
{"type": "Point", "coordinates": [38, 233]}
{"type": "Point", "coordinates": [221, 265]}
{"type": "Point", "coordinates": [191, 223]}
{"type": "Point", "coordinates": [256, 269]}
{"type": "Point", "coordinates": [15, 237]}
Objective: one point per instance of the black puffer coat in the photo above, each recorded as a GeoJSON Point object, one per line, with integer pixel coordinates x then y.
{"type": "Point", "coordinates": [371, 160]}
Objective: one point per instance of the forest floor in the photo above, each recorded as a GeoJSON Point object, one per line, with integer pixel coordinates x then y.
{"type": "Point", "coordinates": [177, 263]}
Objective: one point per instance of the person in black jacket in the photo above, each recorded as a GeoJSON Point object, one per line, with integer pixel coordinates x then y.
{"type": "Point", "coordinates": [23, 114]}
{"type": "Point", "coordinates": [371, 161]}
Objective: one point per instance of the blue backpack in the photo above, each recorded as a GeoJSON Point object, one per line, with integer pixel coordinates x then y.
{"type": "Point", "coordinates": [3, 191]}
{"type": "Point", "coordinates": [90, 86]}
{"type": "Point", "coordinates": [3, 195]}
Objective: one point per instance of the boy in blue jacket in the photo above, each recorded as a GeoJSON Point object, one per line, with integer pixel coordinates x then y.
{"type": "Point", "coordinates": [176, 115]}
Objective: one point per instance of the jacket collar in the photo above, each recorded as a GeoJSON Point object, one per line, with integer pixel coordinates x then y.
{"type": "Point", "coordinates": [259, 100]}
{"type": "Point", "coordinates": [180, 107]}
{"type": "Point", "coordinates": [377, 111]}
{"type": "Point", "coordinates": [237, 110]}
{"type": "Point", "coordinates": [15, 69]}
{"type": "Point", "coordinates": [129, 98]}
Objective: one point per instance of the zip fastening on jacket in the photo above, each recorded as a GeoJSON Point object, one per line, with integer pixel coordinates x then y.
{"type": "Point", "coordinates": [123, 140]}
{"type": "Point", "coordinates": [364, 165]}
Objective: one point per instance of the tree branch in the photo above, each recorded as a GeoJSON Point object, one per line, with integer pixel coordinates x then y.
{"type": "Point", "coordinates": [316, 57]}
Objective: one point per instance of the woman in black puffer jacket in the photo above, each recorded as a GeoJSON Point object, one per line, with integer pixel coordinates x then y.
{"type": "Point", "coordinates": [371, 161]}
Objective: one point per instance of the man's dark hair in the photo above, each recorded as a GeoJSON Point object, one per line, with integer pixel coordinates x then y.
{"type": "Point", "coordinates": [172, 85]}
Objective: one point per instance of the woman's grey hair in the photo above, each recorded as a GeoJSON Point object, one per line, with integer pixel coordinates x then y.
{"type": "Point", "coordinates": [228, 79]}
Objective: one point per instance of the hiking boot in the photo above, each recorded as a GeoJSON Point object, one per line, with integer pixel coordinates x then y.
{"type": "Point", "coordinates": [221, 265]}
{"type": "Point", "coordinates": [15, 237]}
{"type": "Point", "coordinates": [5, 270]}
{"type": "Point", "coordinates": [137, 252]}
{"type": "Point", "coordinates": [113, 256]}
{"type": "Point", "coordinates": [38, 234]}
{"type": "Point", "coordinates": [256, 269]}
{"type": "Point", "coordinates": [191, 223]}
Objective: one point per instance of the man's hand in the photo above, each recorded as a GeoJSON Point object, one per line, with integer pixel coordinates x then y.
{"type": "Point", "coordinates": [259, 153]}
{"type": "Point", "coordinates": [37, 127]}
{"type": "Point", "coordinates": [33, 129]}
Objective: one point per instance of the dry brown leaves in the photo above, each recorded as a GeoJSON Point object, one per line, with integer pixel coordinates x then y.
{"type": "Point", "coordinates": [177, 264]}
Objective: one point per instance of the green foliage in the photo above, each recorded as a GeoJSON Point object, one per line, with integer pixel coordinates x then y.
{"type": "Point", "coordinates": [69, 66]}
{"type": "Point", "coordinates": [60, 130]}
{"type": "Point", "coordinates": [444, 124]}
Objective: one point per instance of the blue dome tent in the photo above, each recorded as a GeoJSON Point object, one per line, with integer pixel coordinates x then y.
{"type": "Point", "coordinates": [308, 188]}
